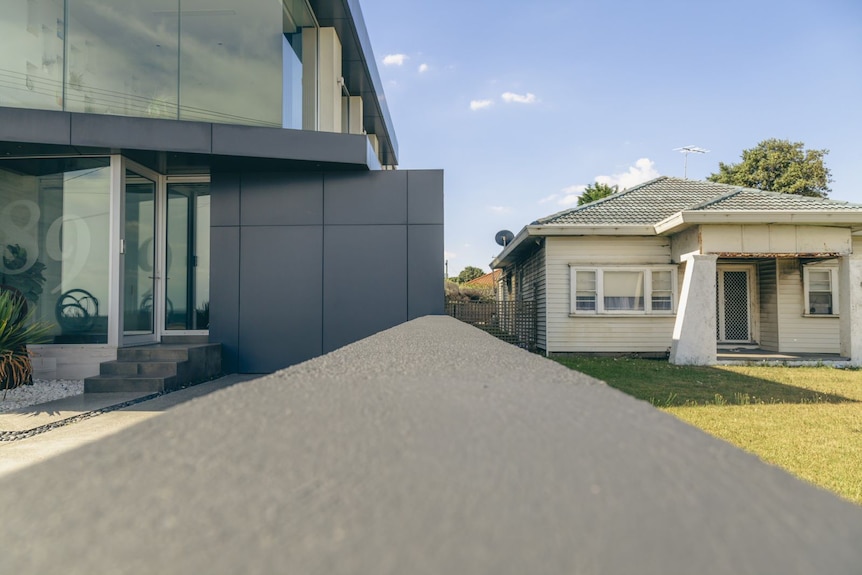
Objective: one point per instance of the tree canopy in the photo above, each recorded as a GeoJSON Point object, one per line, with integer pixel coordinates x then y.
{"type": "Point", "coordinates": [778, 166]}
{"type": "Point", "coordinates": [596, 191]}
{"type": "Point", "coordinates": [469, 273]}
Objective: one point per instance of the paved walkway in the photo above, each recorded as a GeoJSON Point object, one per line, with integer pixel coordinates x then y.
{"type": "Point", "coordinates": [21, 453]}
{"type": "Point", "coordinates": [429, 448]}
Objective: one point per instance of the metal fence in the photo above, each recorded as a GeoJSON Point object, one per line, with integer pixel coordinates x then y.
{"type": "Point", "coordinates": [512, 321]}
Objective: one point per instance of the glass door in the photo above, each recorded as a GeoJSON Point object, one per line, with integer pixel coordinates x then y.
{"type": "Point", "coordinates": [141, 301]}
{"type": "Point", "coordinates": [187, 258]}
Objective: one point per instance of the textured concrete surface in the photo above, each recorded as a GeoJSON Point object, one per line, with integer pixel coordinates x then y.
{"type": "Point", "coordinates": [428, 448]}
{"type": "Point", "coordinates": [15, 455]}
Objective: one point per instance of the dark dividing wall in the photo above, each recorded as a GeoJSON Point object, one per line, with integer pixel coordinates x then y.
{"type": "Point", "coordinates": [304, 263]}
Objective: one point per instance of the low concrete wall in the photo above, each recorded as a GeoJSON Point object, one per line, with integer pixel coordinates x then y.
{"type": "Point", "coordinates": [431, 447]}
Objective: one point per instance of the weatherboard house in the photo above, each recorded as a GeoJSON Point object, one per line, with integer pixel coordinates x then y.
{"type": "Point", "coordinates": [688, 268]}
{"type": "Point", "coordinates": [184, 171]}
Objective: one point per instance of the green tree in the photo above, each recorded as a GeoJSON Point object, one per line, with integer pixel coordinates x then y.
{"type": "Point", "coordinates": [469, 273]}
{"type": "Point", "coordinates": [595, 192]}
{"type": "Point", "coordinates": [778, 166]}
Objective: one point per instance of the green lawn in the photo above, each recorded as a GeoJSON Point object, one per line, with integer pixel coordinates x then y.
{"type": "Point", "coordinates": [807, 420]}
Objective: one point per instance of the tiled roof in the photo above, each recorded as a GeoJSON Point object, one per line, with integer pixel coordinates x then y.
{"type": "Point", "coordinates": [746, 200]}
{"type": "Point", "coordinates": [651, 202]}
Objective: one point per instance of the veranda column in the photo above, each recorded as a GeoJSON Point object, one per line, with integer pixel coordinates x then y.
{"type": "Point", "coordinates": [850, 307]}
{"type": "Point", "coordinates": [694, 331]}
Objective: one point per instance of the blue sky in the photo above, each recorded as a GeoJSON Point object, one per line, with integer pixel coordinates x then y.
{"type": "Point", "coordinates": [524, 103]}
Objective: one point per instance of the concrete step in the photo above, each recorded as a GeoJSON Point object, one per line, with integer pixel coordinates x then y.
{"type": "Point", "coordinates": [160, 367]}
{"type": "Point", "coordinates": [148, 368]}
{"type": "Point", "coordinates": [117, 383]}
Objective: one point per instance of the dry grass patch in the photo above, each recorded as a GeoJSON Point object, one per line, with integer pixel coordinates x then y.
{"type": "Point", "coordinates": [807, 420]}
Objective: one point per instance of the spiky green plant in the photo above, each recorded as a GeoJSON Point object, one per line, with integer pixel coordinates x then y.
{"type": "Point", "coordinates": [16, 331]}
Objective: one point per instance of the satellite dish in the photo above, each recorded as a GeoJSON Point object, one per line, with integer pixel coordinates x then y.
{"type": "Point", "coordinates": [504, 237]}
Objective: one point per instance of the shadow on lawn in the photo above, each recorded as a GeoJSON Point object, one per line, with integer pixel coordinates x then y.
{"type": "Point", "coordinates": [666, 385]}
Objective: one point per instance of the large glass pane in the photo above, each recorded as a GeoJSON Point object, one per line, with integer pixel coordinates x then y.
{"type": "Point", "coordinates": [122, 57]}
{"type": "Point", "coordinates": [188, 258]}
{"type": "Point", "coordinates": [231, 61]}
{"type": "Point", "coordinates": [54, 238]}
{"type": "Point", "coordinates": [31, 54]}
{"type": "Point", "coordinates": [623, 291]}
{"type": "Point", "coordinates": [139, 295]}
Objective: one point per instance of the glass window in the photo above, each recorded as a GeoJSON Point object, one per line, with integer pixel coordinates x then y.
{"type": "Point", "coordinates": [188, 257]}
{"type": "Point", "coordinates": [623, 290]}
{"type": "Point", "coordinates": [662, 290]}
{"type": "Point", "coordinates": [585, 293]}
{"type": "Point", "coordinates": [54, 237]}
{"type": "Point", "coordinates": [122, 57]}
{"type": "Point", "coordinates": [819, 291]}
{"type": "Point", "coordinates": [231, 62]}
{"type": "Point", "coordinates": [31, 54]}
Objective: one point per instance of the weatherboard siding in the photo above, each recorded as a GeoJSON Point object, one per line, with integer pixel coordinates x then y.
{"type": "Point", "coordinates": [797, 332]}
{"type": "Point", "coordinates": [768, 291]}
{"type": "Point", "coordinates": [604, 333]}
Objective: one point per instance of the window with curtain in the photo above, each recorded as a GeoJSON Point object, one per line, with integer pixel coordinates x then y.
{"type": "Point", "coordinates": [623, 290]}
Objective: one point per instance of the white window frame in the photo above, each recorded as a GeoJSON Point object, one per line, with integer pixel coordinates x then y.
{"type": "Point", "coordinates": [647, 291]}
{"type": "Point", "coordinates": [806, 283]}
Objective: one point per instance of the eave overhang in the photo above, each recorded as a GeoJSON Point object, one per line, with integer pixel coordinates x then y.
{"type": "Point", "coordinates": [520, 243]}
{"type": "Point", "coordinates": [685, 219]}
{"type": "Point", "coordinates": [25, 132]}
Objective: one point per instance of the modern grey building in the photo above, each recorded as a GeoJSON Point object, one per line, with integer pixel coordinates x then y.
{"type": "Point", "coordinates": [191, 167]}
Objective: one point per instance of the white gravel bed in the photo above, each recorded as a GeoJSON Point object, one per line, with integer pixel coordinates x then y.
{"type": "Point", "coordinates": [42, 391]}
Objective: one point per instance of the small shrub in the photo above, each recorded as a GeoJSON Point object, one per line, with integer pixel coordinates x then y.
{"type": "Point", "coordinates": [16, 331]}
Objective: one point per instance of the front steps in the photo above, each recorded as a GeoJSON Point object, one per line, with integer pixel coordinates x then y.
{"type": "Point", "coordinates": [157, 368]}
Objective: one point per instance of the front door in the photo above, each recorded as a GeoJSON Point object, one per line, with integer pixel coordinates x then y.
{"type": "Point", "coordinates": [140, 279]}
{"type": "Point", "coordinates": [733, 303]}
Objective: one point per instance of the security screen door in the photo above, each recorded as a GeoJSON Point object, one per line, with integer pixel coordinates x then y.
{"type": "Point", "coordinates": [733, 315]}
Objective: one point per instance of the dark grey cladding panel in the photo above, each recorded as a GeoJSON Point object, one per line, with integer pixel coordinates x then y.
{"type": "Point", "coordinates": [38, 126]}
{"type": "Point", "coordinates": [304, 145]}
{"type": "Point", "coordinates": [281, 199]}
{"type": "Point", "coordinates": [364, 282]}
{"type": "Point", "coordinates": [425, 197]}
{"type": "Point", "coordinates": [280, 296]}
{"type": "Point", "coordinates": [140, 133]}
{"type": "Point", "coordinates": [424, 270]}
{"type": "Point", "coordinates": [365, 198]}
{"type": "Point", "coordinates": [224, 192]}
{"type": "Point", "coordinates": [224, 294]}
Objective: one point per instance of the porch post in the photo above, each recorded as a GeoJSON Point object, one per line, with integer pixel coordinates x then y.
{"type": "Point", "coordinates": [850, 307]}
{"type": "Point", "coordinates": [694, 331]}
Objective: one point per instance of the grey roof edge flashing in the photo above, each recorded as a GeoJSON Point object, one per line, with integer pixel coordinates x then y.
{"type": "Point", "coordinates": [98, 131]}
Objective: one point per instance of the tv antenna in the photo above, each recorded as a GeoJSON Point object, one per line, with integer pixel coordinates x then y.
{"type": "Point", "coordinates": [689, 150]}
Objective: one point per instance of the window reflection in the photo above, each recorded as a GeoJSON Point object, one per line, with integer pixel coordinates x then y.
{"type": "Point", "coordinates": [31, 54]}
{"type": "Point", "coordinates": [237, 62]}
{"type": "Point", "coordinates": [54, 242]}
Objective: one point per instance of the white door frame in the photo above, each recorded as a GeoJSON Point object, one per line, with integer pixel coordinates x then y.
{"type": "Point", "coordinates": [159, 253]}
{"type": "Point", "coordinates": [752, 307]}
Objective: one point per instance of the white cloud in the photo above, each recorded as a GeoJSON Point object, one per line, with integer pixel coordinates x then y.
{"type": "Point", "coordinates": [479, 104]}
{"type": "Point", "coordinates": [511, 97]}
{"type": "Point", "coordinates": [423, 68]}
{"type": "Point", "coordinates": [643, 170]}
{"type": "Point", "coordinates": [395, 59]}
{"type": "Point", "coordinates": [449, 255]}
{"type": "Point", "coordinates": [566, 197]}
{"type": "Point", "coordinates": [500, 209]}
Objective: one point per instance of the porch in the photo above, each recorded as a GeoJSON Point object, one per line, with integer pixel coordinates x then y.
{"type": "Point", "coordinates": [748, 355]}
